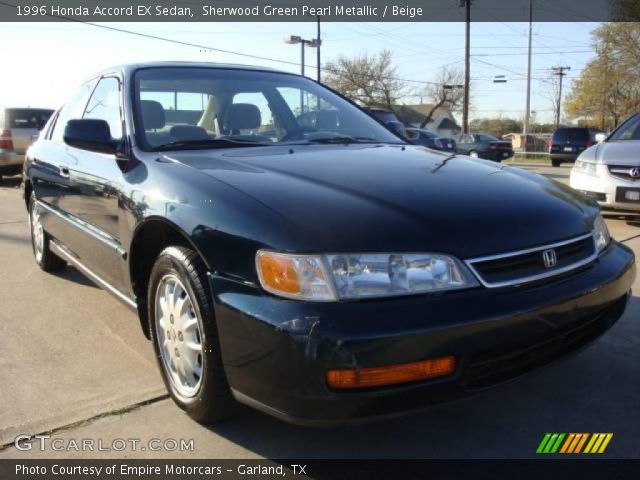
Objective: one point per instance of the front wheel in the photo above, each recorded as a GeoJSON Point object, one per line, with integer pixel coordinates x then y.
{"type": "Point", "coordinates": [474, 154]}
{"type": "Point", "coordinates": [185, 336]}
{"type": "Point", "coordinates": [45, 258]}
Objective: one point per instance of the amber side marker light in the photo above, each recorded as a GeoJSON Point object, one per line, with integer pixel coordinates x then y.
{"type": "Point", "coordinates": [391, 375]}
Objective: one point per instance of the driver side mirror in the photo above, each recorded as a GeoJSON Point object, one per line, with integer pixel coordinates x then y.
{"type": "Point", "coordinates": [93, 135]}
{"type": "Point", "coordinates": [396, 127]}
{"type": "Point", "coordinates": [600, 137]}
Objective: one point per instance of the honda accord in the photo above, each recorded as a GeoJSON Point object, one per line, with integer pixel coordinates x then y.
{"type": "Point", "coordinates": [322, 272]}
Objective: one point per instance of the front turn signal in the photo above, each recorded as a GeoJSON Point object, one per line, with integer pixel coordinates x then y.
{"type": "Point", "coordinates": [392, 374]}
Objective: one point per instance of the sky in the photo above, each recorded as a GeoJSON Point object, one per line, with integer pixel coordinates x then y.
{"type": "Point", "coordinates": [45, 62]}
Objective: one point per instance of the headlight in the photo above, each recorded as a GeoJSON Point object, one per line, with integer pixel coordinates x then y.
{"type": "Point", "coordinates": [586, 167]}
{"type": "Point", "coordinates": [600, 233]}
{"type": "Point", "coordinates": [351, 276]}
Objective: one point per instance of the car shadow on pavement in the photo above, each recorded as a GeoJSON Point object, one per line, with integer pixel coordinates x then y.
{"type": "Point", "coordinates": [592, 391]}
{"type": "Point", "coordinates": [71, 274]}
{"type": "Point", "coordinates": [10, 182]}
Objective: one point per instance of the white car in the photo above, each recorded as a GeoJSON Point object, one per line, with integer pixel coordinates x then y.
{"type": "Point", "coordinates": [609, 172]}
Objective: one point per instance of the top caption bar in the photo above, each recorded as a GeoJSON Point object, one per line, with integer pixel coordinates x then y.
{"type": "Point", "coordinates": [311, 10]}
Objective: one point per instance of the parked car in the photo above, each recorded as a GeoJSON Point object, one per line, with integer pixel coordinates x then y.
{"type": "Point", "coordinates": [482, 145]}
{"type": "Point", "coordinates": [17, 128]}
{"type": "Point", "coordinates": [609, 172]}
{"type": "Point", "coordinates": [321, 277]}
{"type": "Point", "coordinates": [388, 118]}
{"type": "Point", "coordinates": [419, 136]}
{"type": "Point", "coordinates": [567, 143]}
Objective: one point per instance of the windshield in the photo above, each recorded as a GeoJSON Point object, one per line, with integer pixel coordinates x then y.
{"type": "Point", "coordinates": [630, 130]}
{"type": "Point", "coordinates": [193, 107]}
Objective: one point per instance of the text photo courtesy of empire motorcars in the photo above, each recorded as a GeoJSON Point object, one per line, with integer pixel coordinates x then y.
{"type": "Point", "coordinates": [319, 239]}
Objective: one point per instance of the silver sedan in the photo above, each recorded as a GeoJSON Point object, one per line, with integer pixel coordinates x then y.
{"type": "Point", "coordinates": [609, 172]}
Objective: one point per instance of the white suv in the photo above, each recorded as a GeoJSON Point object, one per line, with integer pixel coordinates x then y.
{"type": "Point", "coordinates": [609, 172]}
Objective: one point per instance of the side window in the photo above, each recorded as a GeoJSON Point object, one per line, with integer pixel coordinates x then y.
{"type": "Point", "coordinates": [105, 105]}
{"type": "Point", "coordinates": [628, 131]}
{"type": "Point", "coordinates": [72, 110]}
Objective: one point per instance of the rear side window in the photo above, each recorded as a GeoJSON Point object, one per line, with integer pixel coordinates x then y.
{"type": "Point", "coordinates": [571, 135]}
{"type": "Point", "coordinates": [26, 118]}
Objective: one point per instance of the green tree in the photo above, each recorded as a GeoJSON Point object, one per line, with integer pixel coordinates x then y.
{"type": "Point", "coordinates": [495, 126]}
{"type": "Point", "coordinates": [608, 88]}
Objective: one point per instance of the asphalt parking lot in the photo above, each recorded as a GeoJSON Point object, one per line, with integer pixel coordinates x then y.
{"type": "Point", "coordinates": [75, 365]}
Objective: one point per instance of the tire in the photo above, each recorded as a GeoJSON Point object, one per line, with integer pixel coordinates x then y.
{"type": "Point", "coordinates": [185, 336]}
{"type": "Point", "coordinates": [555, 163]}
{"type": "Point", "coordinates": [474, 154]}
{"type": "Point", "coordinates": [44, 257]}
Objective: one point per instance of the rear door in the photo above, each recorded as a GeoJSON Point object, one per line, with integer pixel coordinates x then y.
{"type": "Point", "coordinates": [25, 123]}
{"type": "Point", "coordinates": [49, 167]}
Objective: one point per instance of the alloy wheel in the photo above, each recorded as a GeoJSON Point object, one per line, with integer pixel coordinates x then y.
{"type": "Point", "coordinates": [37, 232]}
{"type": "Point", "coordinates": [179, 337]}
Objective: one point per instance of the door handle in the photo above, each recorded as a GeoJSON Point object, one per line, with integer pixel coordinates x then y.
{"type": "Point", "coordinates": [64, 171]}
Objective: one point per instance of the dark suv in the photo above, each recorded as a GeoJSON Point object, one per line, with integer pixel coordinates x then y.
{"type": "Point", "coordinates": [567, 143]}
{"type": "Point", "coordinates": [323, 273]}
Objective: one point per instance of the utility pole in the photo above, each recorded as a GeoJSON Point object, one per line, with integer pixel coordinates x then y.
{"type": "Point", "coordinates": [318, 52]}
{"type": "Point", "coordinates": [560, 72]}
{"type": "Point", "coordinates": [527, 108]}
{"type": "Point", "coordinates": [467, 64]}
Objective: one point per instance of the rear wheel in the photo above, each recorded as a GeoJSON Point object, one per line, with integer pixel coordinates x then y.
{"type": "Point", "coordinates": [185, 336]}
{"type": "Point", "coordinates": [555, 163]}
{"type": "Point", "coordinates": [473, 154]}
{"type": "Point", "coordinates": [45, 258]}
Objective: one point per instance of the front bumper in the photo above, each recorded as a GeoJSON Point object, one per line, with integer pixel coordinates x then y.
{"type": "Point", "coordinates": [602, 187]}
{"type": "Point", "coordinates": [276, 352]}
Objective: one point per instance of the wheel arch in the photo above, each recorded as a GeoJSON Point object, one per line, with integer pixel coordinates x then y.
{"type": "Point", "coordinates": [150, 237]}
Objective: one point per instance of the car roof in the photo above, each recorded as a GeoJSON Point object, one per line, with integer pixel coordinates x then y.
{"type": "Point", "coordinates": [132, 67]}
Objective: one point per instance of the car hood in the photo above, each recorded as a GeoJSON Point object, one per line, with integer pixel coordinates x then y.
{"type": "Point", "coordinates": [351, 198]}
{"type": "Point", "coordinates": [618, 153]}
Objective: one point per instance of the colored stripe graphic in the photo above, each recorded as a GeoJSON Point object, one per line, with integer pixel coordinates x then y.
{"type": "Point", "coordinates": [598, 443]}
{"type": "Point", "coordinates": [574, 443]}
{"type": "Point", "coordinates": [550, 443]}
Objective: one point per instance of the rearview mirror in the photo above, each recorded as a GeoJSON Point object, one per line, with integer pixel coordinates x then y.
{"type": "Point", "coordinates": [600, 137]}
{"type": "Point", "coordinates": [90, 134]}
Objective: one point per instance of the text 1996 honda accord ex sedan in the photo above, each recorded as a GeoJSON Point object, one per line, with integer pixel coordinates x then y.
{"type": "Point", "coordinates": [284, 249]}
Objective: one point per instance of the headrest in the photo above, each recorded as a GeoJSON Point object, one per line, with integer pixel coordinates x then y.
{"type": "Point", "coordinates": [188, 132]}
{"type": "Point", "coordinates": [242, 116]}
{"type": "Point", "coordinates": [152, 114]}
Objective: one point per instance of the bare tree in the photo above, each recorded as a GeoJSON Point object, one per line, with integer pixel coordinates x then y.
{"type": "Point", "coordinates": [367, 79]}
{"type": "Point", "coordinates": [445, 91]}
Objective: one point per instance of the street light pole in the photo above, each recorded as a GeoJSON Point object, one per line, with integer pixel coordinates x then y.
{"type": "Point", "coordinates": [318, 51]}
{"type": "Point", "coordinates": [467, 64]}
{"type": "Point", "coordinates": [527, 110]}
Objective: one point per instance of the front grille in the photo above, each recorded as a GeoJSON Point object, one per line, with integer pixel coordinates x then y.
{"type": "Point", "coordinates": [529, 265]}
{"type": "Point", "coordinates": [624, 171]}
{"type": "Point", "coordinates": [495, 366]}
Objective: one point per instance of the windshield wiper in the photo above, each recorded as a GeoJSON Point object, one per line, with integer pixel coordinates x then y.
{"type": "Point", "coordinates": [209, 143]}
{"type": "Point", "coordinates": [343, 139]}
